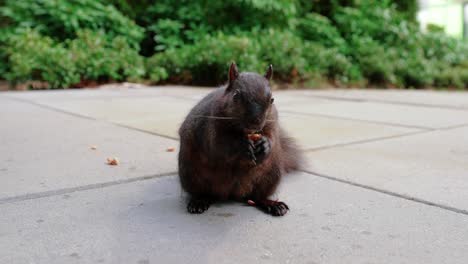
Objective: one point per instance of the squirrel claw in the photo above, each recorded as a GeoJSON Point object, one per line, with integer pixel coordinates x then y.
{"type": "Point", "coordinates": [262, 148]}
{"type": "Point", "coordinates": [274, 208]}
{"type": "Point", "coordinates": [251, 152]}
{"type": "Point", "coordinates": [197, 206]}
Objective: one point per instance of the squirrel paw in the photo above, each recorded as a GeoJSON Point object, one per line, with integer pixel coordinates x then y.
{"type": "Point", "coordinates": [274, 208]}
{"type": "Point", "coordinates": [250, 151]}
{"type": "Point", "coordinates": [262, 148]}
{"type": "Point", "coordinates": [198, 206]}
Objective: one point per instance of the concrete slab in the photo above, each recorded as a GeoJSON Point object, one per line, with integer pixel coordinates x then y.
{"type": "Point", "coordinates": [43, 150]}
{"type": "Point", "coordinates": [318, 132]}
{"type": "Point", "coordinates": [146, 222]}
{"type": "Point", "coordinates": [164, 114]}
{"type": "Point", "coordinates": [431, 166]}
{"type": "Point", "coordinates": [443, 99]}
{"type": "Point", "coordinates": [157, 110]}
{"type": "Point", "coordinates": [161, 114]}
{"type": "Point", "coordinates": [69, 94]}
{"type": "Point", "coordinates": [286, 99]}
{"type": "Point", "coordinates": [422, 117]}
{"type": "Point", "coordinates": [110, 91]}
{"type": "Point", "coordinates": [185, 91]}
{"type": "Point", "coordinates": [60, 202]}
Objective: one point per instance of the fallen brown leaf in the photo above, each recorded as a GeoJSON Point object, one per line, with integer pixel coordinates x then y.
{"type": "Point", "coordinates": [112, 161]}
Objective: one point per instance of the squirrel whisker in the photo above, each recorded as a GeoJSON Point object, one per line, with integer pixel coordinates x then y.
{"type": "Point", "coordinates": [215, 117]}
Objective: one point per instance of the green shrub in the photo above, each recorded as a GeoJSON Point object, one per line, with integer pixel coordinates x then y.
{"type": "Point", "coordinates": [35, 57]}
{"type": "Point", "coordinates": [62, 20]}
{"type": "Point", "coordinates": [375, 62]}
{"type": "Point", "coordinates": [317, 28]}
{"type": "Point", "coordinates": [98, 58]}
{"type": "Point", "coordinates": [210, 56]}
{"type": "Point", "coordinates": [453, 77]}
{"type": "Point", "coordinates": [181, 22]}
{"type": "Point", "coordinates": [91, 56]}
{"type": "Point", "coordinates": [5, 64]}
{"type": "Point", "coordinates": [443, 49]}
{"type": "Point", "coordinates": [341, 41]}
{"type": "Point", "coordinates": [284, 50]}
{"type": "Point", "coordinates": [206, 61]}
{"type": "Point", "coordinates": [381, 23]}
{"type": "Point", "coordinates": [414, 71]}
{"type": "Point", "coordinates": [328, 63]}
{"type": "Point", "coordinates": [409, 8]}
{"type": "Point", "coordinates": [390, 49]}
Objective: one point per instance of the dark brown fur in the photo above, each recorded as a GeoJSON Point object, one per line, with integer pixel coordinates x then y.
{"type": "Point", "coordinates": [212, 160]}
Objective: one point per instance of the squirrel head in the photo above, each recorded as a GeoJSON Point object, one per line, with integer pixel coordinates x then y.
{"type": "Point", "coordinates": [248, 98]}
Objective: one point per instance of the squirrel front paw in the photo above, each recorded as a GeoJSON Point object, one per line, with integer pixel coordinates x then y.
{"type": "Point", "coordinates": [249, 151]}
{"type": "Point", "coordinates": [262, 149]}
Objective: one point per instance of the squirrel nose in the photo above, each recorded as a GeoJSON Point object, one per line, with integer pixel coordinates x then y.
{"type": "Point", "coordinates": [255, 123]}
{"type": "Point", "coordinates": [256, 112]}
{"type": "Point", "coordinates": [255, 120]}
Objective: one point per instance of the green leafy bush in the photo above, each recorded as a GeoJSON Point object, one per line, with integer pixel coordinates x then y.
{"type": "Point", "coordinates": [389, 49]}
{"type": "Point", "coordinates": [91, 56]}
{"type": "Point", "coordinates": [454, 77]}
{"type": "Point", "coordinates": [62, 20]}
{"type": "Point", "coordinates": [414, 71]}
{"type": "Point", "coordinates": [98, 58]}
{"type": "Point", "coordinates": [317, 28]}
{"type": "Point", "coordinates": [437, 46]}
{"type": "Point", "coordinates": [344, 42]}
{"type": "Point", "coordinates": [35, 57]}
{"type": "Point", "coordinates": [375, 62]}
{"type": "Point", "coordinates": [208, 59]}
{"type": "Point", "coordinates": [181, 22]}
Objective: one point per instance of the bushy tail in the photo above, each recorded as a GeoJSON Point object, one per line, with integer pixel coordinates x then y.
{"type": "Point", "coordinates": [292, 157]}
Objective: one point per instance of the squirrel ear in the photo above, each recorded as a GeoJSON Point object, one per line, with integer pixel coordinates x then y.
{"type": "Point", "coordinates": [269, 72]}
{"type": "Point", "coordinates": [233, 72]}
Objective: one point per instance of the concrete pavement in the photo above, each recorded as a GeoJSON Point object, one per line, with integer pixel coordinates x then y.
{"type": "Point", "coordinates": [386, 182]}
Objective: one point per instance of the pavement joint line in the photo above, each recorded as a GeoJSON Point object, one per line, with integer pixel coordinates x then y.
{"type": "Point", "coordinates": [358, 120]}
{"type": "Point", "coordinates": [118, 182]}
{"type": "Point", "coordinates": [382, 138]}
{"type": "Point", "coordinates": [133, 96]}
{"type": "Point", "coordinates": [113, 97]}
{"type": "Point", "coordinates": [337, 98]}
{"type": "Point", "coordinates": [182, 97]}
{"type": "Point", "coordinates": [93, 186]}
{"type": "Point", "coordinates": [100, 97]}
{"type": "Point", "coordinates": [145, 131]}
{"type": "Point", "coordinates": [453, 127]}
{"type": "Point", "coordinates": [90, 118]}
{"type": "Point", "coordinates": [390, 193]}
{"type": "Point", "coordinates": [358, 142]}
{"type": "Point", "coordinates": [52, 108]}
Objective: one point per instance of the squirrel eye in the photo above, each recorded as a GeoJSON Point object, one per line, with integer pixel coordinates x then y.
{"type": "Point", "coordinates": [272, 100]}
{"type": "Point", "coordinates": [236, 95]}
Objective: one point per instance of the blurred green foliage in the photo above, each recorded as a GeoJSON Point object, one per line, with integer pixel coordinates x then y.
{"type": "Point", "coordinates": [62, 20]}
{"type": "Point", "coordinates": [345, 42]}
{"type": "Point", "coordinates": [90, 56]}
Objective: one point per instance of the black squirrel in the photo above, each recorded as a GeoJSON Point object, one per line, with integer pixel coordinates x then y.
{"type": "Point", "coordinates": [217, 159]}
